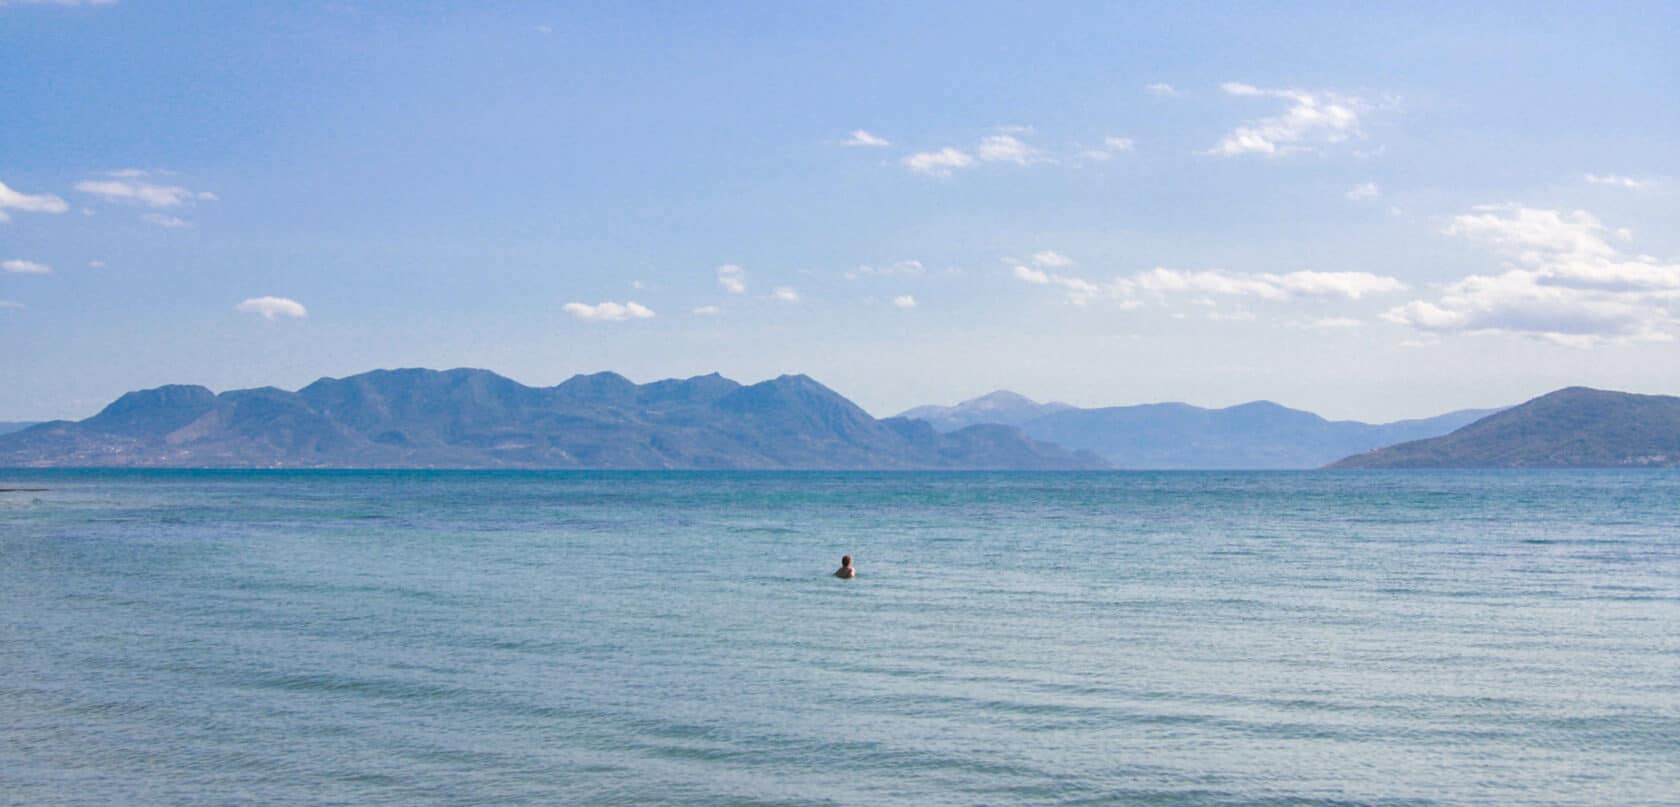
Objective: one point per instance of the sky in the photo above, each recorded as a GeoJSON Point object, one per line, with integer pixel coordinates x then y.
{"type": "Point", "coordinates": [1371, 214]}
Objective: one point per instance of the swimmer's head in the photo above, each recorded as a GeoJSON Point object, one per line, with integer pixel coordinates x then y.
{"type": "Point", "coordinates": [845, 560]}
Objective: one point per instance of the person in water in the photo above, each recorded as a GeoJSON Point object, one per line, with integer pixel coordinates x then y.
{"type": "Point", "coordinates": [846, 571]}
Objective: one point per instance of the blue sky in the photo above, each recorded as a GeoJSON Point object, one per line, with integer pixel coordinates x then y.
{"type": "Point", "coordinates": [1371, 215]}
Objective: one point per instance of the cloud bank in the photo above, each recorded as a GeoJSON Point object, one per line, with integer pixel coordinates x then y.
{"type": "Point", "coordinates": [1562, 282]}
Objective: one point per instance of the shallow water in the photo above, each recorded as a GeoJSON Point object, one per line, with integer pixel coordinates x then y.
{"type": "Point", "coordinates": [1182, 638]}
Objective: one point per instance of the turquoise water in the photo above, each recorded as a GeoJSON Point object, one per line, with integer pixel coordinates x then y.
{"type": "Point", "coordinates": [1179, 638]}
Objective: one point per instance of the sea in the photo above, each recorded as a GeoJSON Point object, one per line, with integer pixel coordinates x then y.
{"type": "Point", "coordinates": [424, 637]}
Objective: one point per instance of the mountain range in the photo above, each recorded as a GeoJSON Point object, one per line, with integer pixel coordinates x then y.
{"type": "Point", "coordinates": [1256, 435]}
{"type": "Point", "coordinates": [1574, 427]}
{"type": "Point", "coordinates": [467, 418]}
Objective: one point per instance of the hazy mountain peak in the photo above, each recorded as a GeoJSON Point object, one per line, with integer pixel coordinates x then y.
{"type": "Point", "coordinates": [1000, 406]}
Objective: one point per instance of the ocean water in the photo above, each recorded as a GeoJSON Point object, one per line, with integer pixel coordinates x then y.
{"type": "Point", "coordinates": [563, 638]}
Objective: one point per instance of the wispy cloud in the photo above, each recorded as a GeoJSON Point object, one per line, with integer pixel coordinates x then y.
{"type": "Point", "coordinates": [1312, 121]}
{"type": "Point", "coordinates": [1162, 282]}
{"type": "Point", "coordinates": [608, 312]}
{"type": "Point", "coordinates": [66, 3]}
{"type": "Point", "coordinates": [1007, 148]}
{"type": "Point", "coordinates": [707, 311]}
{"type": "Point", "coordinates": [1051, 258]}
{"type": "Point", "coordinates": [1563, 282]}
{"type": "Point", "coordinates": [938, 163]}
{"type": "Point", "coordinates": [732, 278]}
{"type": "Point", "coordinates": [1161, 89]}
{"type": "Point", "coordinates": [1616, 181]}
{"type": "Point", "coordinates": [11, 304]}
{"type": "Point", "coordinates": [28, 203]}
{"type": "Point", "coordinates": [1264, 285]}
{"type": "Point", "coordinates": [18, 266]}
{"type": "Point", "coordinates": [1363, 191]}
{"type": "Point", "coordinates": [904, 301]}
{"type": "Point", "coordinates": [131, 189]}
{"type": "Point", "coordinates": [784, 294]}
{"type": "Point", "coordinates": [862, 139]}
{"type": "Point", "coordinates": [894, 269]}
{"type": "Point", "coordinates": [1079, 290]}
{"type": "Point", "coordinates": [165, 221]}
{"type": "Point", "coordinates": [1111, 146]}
{"type": "Point", "coordinates": [271, 308]}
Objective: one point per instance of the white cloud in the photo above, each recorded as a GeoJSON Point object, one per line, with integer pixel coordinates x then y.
{"type": "Point", "coordinates": [608, 312]}
{"type": "Point", "coordinates": [96, 264]}
{"type": "Point", "coordinates": [1079, 290]}
{"type": "Point", "coordinates": [1333, 323]}
{"type": "Point", "coordinates": [272, 308]}
{"type": "Point", "coordinates": [1161, 282]}
{"type": "Point", "coordinates": [894, 269]}
{"type": "Point", "coordinates": [1162, 89]}
{"type": "Point", "coordinates": [785, 294]}
{"type": "Point", "coordinates": [1052, 259]}
{"type": "Point", "coordinates": [1031, 275]}
{"type": "Point", "coordinates": [1174, 281]}
{"type": "Point", "coordinates": [1352, 285]}
{"type": "Point", "coordinates": [161, 220]}
{"type": "Point", "coordinates": [1005, 148]}
{"type": "Point", "coordinates": [904, 301]}
{"type": "Point", "coordinates": [1267, 286]}
{"type": "Point", "coordinates": [707, 311]}
{"type": "Point", "coordinates": [1363, 191]}
{"type": "Point", "coordinates": [1534, 236]}
{"type": "Point", "coordinates": [1562, 282]}
{"type": "Point", "coordinates": [1312, 120]}
{"type": "Point", "coordinates": [864, 139]}
{"type": "Point", "coordinates": [1620, 181]}
{"type": "Point", "coordinates": [938, 163]}
{"type": "Point", "coordinates": [128, 189]}
{"type": "Point", "coordinates": [732, 278]}
{"type": "Point", "coordinates": [1110, 147]}
{"type": "Point", "coordinates": [18, 266]}
{"type": "Point", "coordinates": [28, 203]}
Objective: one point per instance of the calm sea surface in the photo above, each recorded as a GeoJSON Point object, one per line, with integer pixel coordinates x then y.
{"type": "Point", "coordinates": [1178, 638]}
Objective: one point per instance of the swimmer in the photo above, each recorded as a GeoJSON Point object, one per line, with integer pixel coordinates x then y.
{"type": "Point", "coordinates": [846, 571]}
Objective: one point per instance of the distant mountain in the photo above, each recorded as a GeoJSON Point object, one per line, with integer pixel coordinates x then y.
{"type": "Point", "coordinates": [1258, 435]}
{"type": "Point", "coordinates": [9, 426]}
{"type": "Point", "coordinates": [476, 419]}
{"type": "Point", "coordinates": [1574, 427]}
{"type": "Point", "coordinates": [1003, 406]}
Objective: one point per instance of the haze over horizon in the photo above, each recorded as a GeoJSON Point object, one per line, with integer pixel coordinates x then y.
{"type": "Point", "coordinates": [1371, 217]}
